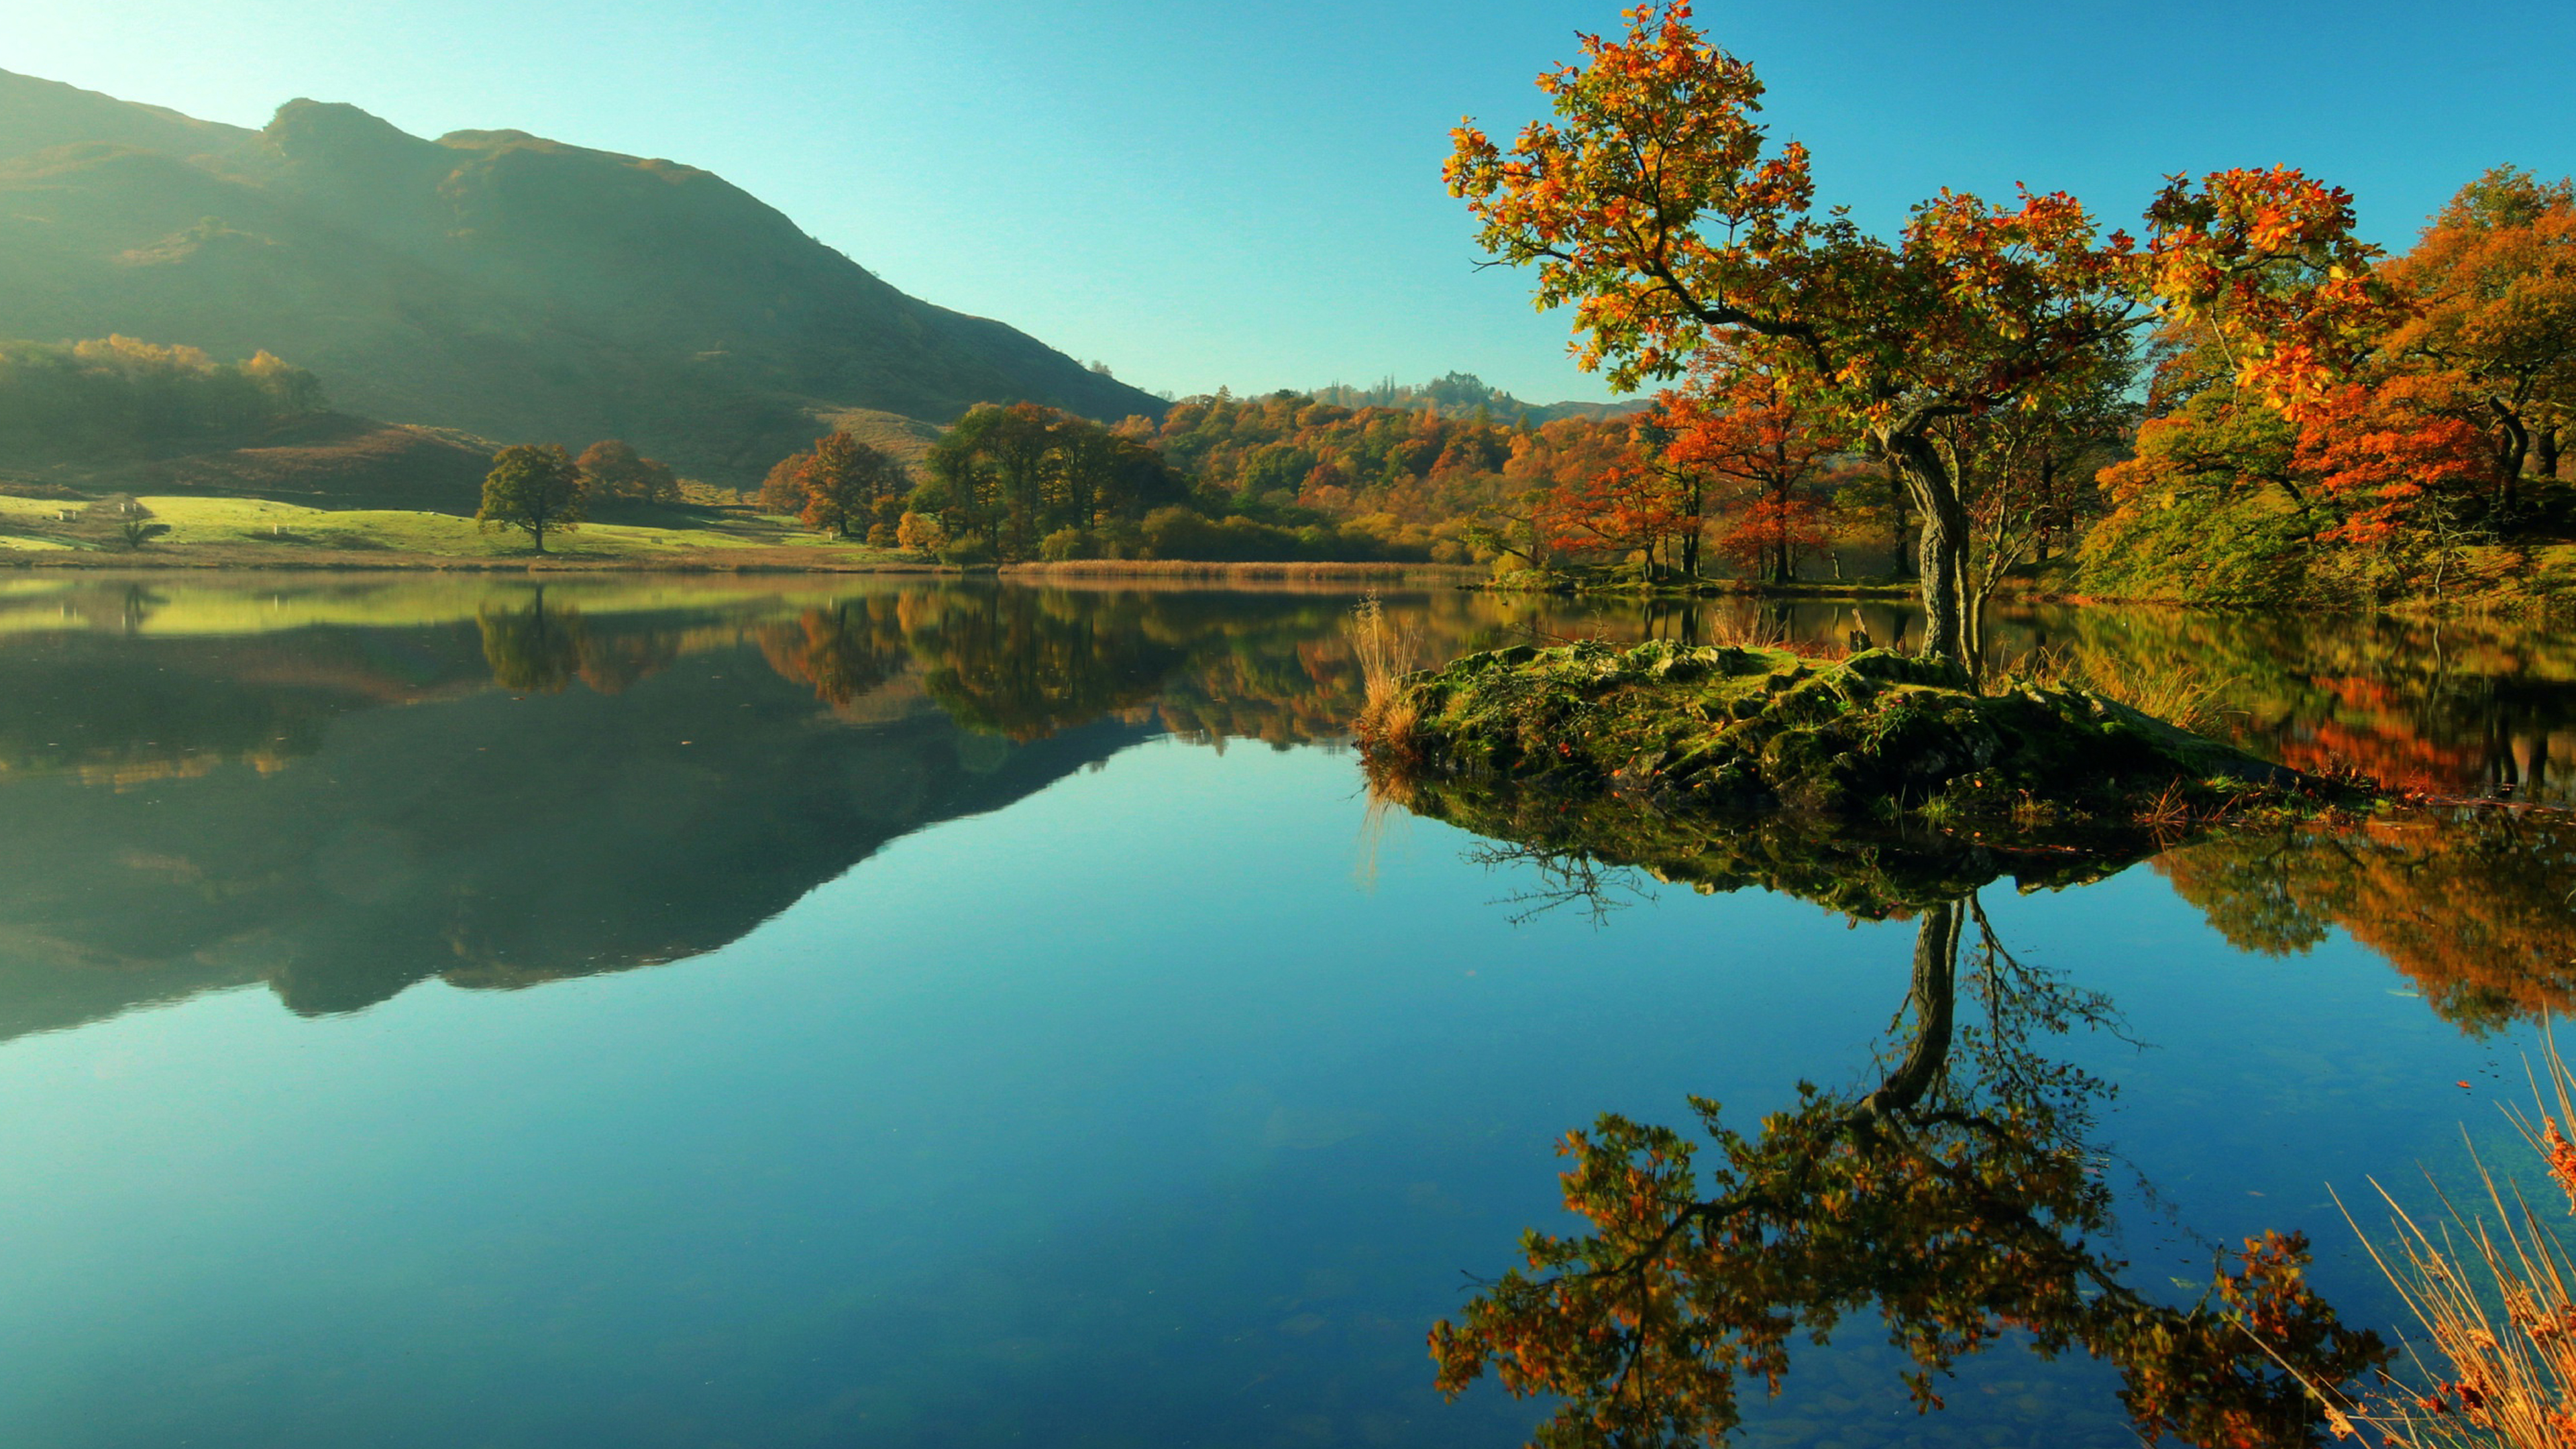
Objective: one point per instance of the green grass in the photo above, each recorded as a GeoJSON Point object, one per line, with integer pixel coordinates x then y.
{"type": "Point", "coordinates": [255, 531]}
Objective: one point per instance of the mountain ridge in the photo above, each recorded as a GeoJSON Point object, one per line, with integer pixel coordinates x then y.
{"type": "Point", "coordinates": [491, 280]}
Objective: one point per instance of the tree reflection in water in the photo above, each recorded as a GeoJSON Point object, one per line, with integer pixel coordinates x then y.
{"type": "Point", "coordinates": [535, 650]}
{"type": "Point", "coordinates": [1957, 1192]}
{"type": "Point", "coordinates": [2477, 905]}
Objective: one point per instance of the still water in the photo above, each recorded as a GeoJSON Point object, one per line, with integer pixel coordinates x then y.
{"type": "Point", "coordinates": [644, 1012]}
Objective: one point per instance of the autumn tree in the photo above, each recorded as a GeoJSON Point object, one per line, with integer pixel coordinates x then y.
{"type": "Point", "coordinates": [1655, 204]}
{"type": "Point", "coordinates": [2372, 489]}
{"type": "Point", "coordinates": [1011, 476]}
{"type": "Point", "coordinates": [782, 491]}
{"type": "Point", "coordinates": [1630, 507]}
{"type": "Point", "coordinates": [611, 468]}
{"type": "Point", "coordinates": [1516, 527]}
{"type": "Point", "coordinates": [2025, 472]}
{"type": "Point", "coordinates": [1743, 427]}
{"type": "Point", "coordinates": [535, 488]}
{"type": "Point", "coordinates": [852, 487]}
{"type": "Point", "coordinates": [2495, 274]}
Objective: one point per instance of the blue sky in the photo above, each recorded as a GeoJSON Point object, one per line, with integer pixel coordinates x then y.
{"type": "Point", "coordinates": [1248, 194]}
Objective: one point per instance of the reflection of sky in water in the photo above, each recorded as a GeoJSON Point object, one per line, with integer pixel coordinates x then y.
{"type": "Point", "coordinates": [1134, 1113]}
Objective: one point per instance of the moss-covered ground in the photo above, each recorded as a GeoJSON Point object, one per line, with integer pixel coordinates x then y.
{"type": "Point", "coordinates": [1879, 736]}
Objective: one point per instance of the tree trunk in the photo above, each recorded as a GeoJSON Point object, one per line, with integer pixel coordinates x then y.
{"type": "Point", "coordinates": [2544, 454]}
{"type": "Point", "coordinates": [1943, 552]}
{"type": "Point", "coordinates": [1698, 516]}
{"type": "Point", "coordinates": [1896, 500]}
{"type": "Point", "coordinates": [1933, 995]}
{"type": "Point", "coordinates": [2511, 449]}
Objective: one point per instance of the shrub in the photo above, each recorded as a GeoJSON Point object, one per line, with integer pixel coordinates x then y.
{"type": "Point", "coordinates": [970, 552]}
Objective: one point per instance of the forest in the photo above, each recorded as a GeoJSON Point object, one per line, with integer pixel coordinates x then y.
{"type": "Point", "coordinates": [2414, 453]}
{"type": "Point", "coordinates": [117, 394]}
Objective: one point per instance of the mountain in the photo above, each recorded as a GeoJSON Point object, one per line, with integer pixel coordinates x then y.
{"type": "Point", "coordinates": [490, 281]}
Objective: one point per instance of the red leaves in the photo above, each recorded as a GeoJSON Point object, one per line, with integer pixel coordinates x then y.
{"type": "Point", "coordinates": [2386, 452]}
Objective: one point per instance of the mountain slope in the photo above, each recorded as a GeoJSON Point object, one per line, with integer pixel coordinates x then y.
{"type": "Point", "coordinates": [489, 280]}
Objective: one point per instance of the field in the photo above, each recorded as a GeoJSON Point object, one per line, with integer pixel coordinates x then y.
{"type": "Point", "coordinates": [264, 533]}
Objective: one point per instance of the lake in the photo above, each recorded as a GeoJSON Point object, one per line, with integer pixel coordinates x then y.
{"type": "Point", "coordinates": [789, 1011]}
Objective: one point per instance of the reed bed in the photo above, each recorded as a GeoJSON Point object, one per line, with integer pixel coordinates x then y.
{"type": "Point", "coordinates": [2175, 693]}
{"type": "Point", "coordinates": [1387, 651]}
{"type": "Point", "coordinates": [2495, 1299]}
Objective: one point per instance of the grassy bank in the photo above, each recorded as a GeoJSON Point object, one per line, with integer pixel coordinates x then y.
{"type": "Point", "coordinates": [201, 532]}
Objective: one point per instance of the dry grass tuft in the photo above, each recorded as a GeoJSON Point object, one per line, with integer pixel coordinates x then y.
{"type": "Point", "coordinates": [1758, 629]}
{"type": "Point", "coordinates": [1387, 651]}
{"type": "Point", "coordinates": [2496, 1302]}
{"type": "Point", "coordinates": [2175, 693]}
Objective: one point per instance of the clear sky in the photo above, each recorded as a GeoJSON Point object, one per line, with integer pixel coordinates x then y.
{"type": "Point", "coordinates": [1248, 193]}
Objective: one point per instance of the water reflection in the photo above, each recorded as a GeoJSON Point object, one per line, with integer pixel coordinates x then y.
{"type": "Point", "coordinates": [315, 782]}
{"type": "Point", "coordinates": [2477, 905]}
{"type": "Point", "coordinates": [1957, 1192]}
{"type": "Point", "coordinates": [1273, 1116]}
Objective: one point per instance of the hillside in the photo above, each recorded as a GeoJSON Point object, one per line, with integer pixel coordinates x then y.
{"type": "Point", "coordinates": [489, 281]}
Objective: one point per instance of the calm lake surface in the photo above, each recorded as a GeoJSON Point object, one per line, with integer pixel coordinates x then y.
{"type": "Point", "coordinates": [796, 1012]}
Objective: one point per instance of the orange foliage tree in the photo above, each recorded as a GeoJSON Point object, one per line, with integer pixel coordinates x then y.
{"type": "Point", "coordinates": [852, 487]}
{"type": "Point", "coordinates": [1655, 205]}
{"type": "Point", "coordinates": [2496, 278]}
{"type": "Point", "coordinates": [2372, 487]}
{"type": "Point", "coordinates": [2390, 453]}
{"type": "Point", "coordinates": [614, 469]}
{"type": "Point", "coordinates": [1762, 442]}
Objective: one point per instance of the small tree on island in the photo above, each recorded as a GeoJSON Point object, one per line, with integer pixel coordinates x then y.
{"type": "Point", "coordinates": [532, 487]}
{"type": "Point", "coordinates": [1656, 205]}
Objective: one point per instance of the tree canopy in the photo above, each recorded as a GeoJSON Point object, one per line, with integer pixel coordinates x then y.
{"type": "Point", "coordinates": [1656, 205]}
{"type": "Point", "coordinates": [535, 488]}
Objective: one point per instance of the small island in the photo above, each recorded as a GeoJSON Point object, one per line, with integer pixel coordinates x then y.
{"type": "Point", "coordinates": [1879, 736]}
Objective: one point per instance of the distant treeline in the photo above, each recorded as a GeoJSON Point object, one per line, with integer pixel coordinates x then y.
{"type": "Point", "coordinates": [1016, 483]}
{"type": "Point", "coordinates": [117, 395]}
{"type": "Point", "coordinates": [1464, 395]}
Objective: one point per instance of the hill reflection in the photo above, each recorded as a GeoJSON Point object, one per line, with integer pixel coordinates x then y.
{"type": "Point", "coordinates": [537, 782]}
